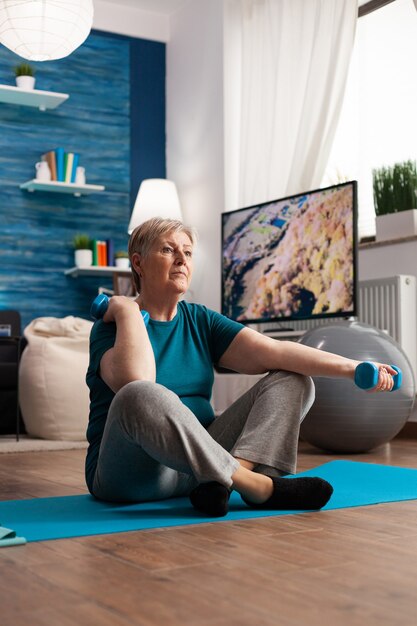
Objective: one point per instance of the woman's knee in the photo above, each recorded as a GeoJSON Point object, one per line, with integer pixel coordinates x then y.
{"type": "Point", "coordinates": [303, 388]}
{"type": "Point", "coordinates": [306, 385]}
{"type": "Point", "coordinates": [303, 383]}
{"type": "Point", "coordinates": [296, 385]}
{"type": "Point", "coordinates": [140, 398]}
{"type": "Point", "coordinates": [309, 392]}
{"type": "Point", "coordinates": [136, 389]}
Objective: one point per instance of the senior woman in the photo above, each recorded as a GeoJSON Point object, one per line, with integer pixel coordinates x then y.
{"type": "Point", "coordinates": [152, 431]}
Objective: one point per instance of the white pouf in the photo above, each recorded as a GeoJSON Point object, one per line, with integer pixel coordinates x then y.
{"type": "Point", "coordinates": [53, 394]}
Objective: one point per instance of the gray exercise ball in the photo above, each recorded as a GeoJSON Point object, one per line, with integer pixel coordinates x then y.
{"type": "Point", "coordinates": [343, 417]}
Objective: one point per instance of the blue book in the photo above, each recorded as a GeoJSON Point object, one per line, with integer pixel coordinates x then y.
{"type": "Point", "coordinates": [60, 173]}
{"type": "Point", "coordinates": [110, 252]}
{"type": "Point", "coordinates": [74, 166]}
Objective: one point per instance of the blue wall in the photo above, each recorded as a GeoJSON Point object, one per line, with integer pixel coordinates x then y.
{"type": "Point", "coordinates": [115, 119]}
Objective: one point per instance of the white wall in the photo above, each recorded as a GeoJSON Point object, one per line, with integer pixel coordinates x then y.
{"type": "Point", "coordinates": [195, 133]}
{"type": "Point", "coordinates": [194, 84]}
{"type": "Point", "coordinates": [124, 20]}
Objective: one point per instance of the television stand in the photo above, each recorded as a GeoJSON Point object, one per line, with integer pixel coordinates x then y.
{"type": "Point", "coordinates": [284, 333]}
{"type": "Point", "coordinates": [282, 328]}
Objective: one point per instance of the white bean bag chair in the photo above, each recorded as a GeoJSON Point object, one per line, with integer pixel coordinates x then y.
{"type": "Point", "coordinates": [53, 395]}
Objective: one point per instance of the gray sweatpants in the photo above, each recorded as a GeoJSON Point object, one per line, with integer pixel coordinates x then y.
{"type": "Point", "coordinates": [154, 447]}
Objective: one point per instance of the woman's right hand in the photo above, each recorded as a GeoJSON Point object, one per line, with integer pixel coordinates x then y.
{"type": "Point", "coordinates": [131, 357]}
{"type": "Point", "coordinates": [120, 306]}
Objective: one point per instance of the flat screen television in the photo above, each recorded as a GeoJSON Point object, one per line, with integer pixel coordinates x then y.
{"type": "Point", "coordinates": [292, 259]}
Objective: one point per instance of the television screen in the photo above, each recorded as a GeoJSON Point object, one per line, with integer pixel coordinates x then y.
{"type": "Point", "coordinates": [291, 259]}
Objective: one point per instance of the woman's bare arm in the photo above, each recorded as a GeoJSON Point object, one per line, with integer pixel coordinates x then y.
{"type": "Point", "coordinates": [131, 357]}
{"type": "Point", "coordinates": [253, 353]}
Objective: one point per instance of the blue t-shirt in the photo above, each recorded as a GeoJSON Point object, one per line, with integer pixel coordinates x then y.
{"type": "Point", "coordinates": [185, 349]}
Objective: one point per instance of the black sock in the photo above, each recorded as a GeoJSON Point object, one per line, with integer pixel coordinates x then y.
{"type": "Point", "coordinates": [211, 499]}
{"type": "Point", "coordinates": [296, 494]}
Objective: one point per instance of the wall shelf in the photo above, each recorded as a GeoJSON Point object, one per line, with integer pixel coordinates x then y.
{"type": "Point", "coordinates": [96, 270]}
{"type": "Point", "coordinates": [59, 187]}
{"type": "Point", "coordinates": [32, 97]}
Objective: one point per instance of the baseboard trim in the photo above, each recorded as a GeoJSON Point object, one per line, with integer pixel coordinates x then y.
{"type": "Point", "coordinates": [409, 431]}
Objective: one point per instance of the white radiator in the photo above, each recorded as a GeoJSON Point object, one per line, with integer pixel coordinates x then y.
{"type": "Point", "coordinates": [386, 303]}
{"type": "Point", "coordinates": [390, 304]}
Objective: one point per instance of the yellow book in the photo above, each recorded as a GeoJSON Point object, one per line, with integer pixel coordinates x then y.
{"type": "Point", "coordinates": [68, 169]}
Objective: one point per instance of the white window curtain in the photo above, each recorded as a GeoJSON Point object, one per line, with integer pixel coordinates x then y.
{"type": "Point", "coordinates": [285, 70]}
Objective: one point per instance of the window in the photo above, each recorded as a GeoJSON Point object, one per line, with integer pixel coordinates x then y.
{"type": "Point", "coordinates": [378, 122]}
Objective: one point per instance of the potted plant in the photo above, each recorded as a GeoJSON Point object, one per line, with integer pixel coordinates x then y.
{"type": "Point", "coordinates": [395, 200]}
{"type": "Point", "coordinates": [25, 76]}
{"type": "Point", "coordinates": [83, 252]}
{"type": "Point", "coordinates": [121, 259]}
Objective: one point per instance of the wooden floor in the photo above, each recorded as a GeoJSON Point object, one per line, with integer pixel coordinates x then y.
{"type": "Point", "coordinates": [348, 567]}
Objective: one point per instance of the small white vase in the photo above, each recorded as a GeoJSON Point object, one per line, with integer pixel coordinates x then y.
{"type": "Point", "coordinates": [83, 258]}
{"type": "Point", "coordinates": [122, 263]}
{"type": "Point", "coordinates": [25, 82]}
{"type": "Point", "coordinates": [43, 173]}
{"type": "Point", "coordinates": [80, 176]}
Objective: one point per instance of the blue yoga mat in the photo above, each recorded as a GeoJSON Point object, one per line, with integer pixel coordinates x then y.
{"type": "Point", "coordinates": [355, 484]}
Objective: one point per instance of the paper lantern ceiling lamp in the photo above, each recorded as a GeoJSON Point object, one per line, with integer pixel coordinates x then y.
{"type": "Point", "coordinates": [44, 30]}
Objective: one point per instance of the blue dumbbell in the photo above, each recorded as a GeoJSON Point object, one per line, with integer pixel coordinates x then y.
{"type": "Point", "coordinates": [100, 304]}
{"type": "Point", "coordinates": [366, 376]}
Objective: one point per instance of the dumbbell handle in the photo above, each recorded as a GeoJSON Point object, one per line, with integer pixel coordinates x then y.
{"type": "Point", "coordinates": [367, 373]}
{"type": "Point", "coordinates": [100, 304]}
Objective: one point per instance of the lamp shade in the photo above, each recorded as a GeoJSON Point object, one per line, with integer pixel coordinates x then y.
{"type": "Point", "coordinates": [157, 197]}
{"type": "Point", "coordinates": [44, 30]}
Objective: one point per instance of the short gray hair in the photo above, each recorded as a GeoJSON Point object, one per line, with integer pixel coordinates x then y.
{"type": "Point", "coordinates": [144, 236]}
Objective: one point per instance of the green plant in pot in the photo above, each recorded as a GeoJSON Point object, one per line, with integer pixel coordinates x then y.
{"type": "Point", "coordinates": [25, 76]}
{"type": "Point", "coordinates": [83, 253]}
{"type": "Point", "coordinates": [121, 258]}
{"type": "Point", "coordinates": [395, 200]}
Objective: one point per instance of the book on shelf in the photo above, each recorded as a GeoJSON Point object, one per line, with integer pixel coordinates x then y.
{"type": "Point", "coordinates": [95, 251]}
{"type": "Point", "coordinates": [74, 166]}
{"type": "Point", "coordinates": [68, 160]}
{"type": "Point", "coordinates": [50, 158]}
{"type": "Point", "coordinates": [59, 157]}
{"type": "Point", "coordinates": [110, 252]}
{"type": "Point", "coordinates": [64, 164]}
{"type": "Point", "coordinates": [103, 253]}
{"type": "Point", "coordinates": [99, 248]}
{"type": "Point", "coordinates": [100, 253]}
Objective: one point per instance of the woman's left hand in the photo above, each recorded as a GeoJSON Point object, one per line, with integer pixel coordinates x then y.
{"type": "Point", "coordinates": [385, 377]}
